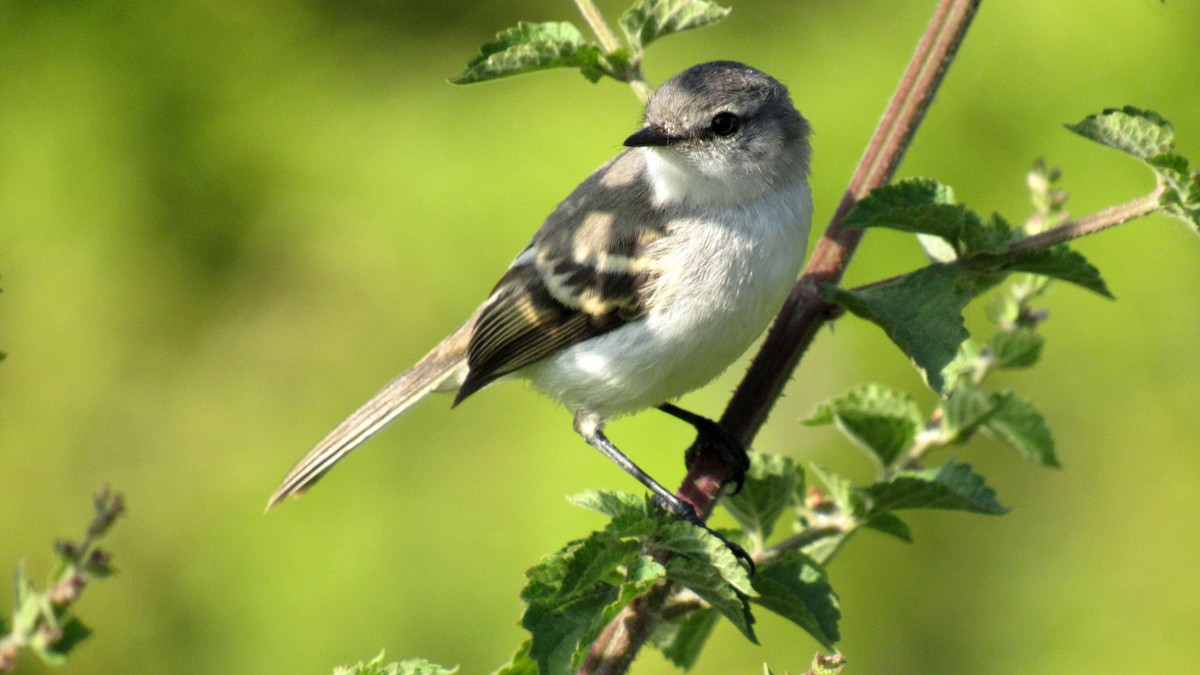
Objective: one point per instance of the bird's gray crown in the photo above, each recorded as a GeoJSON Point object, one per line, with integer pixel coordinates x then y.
{"type": "Point", "coordinates": [728, 123]}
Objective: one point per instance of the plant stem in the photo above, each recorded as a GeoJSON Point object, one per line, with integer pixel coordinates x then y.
{"type": "Point", "coordinates": [803, 313]}
{"type": "Point", "coordinates": [599, 26]}
{"type": "Point", "coordinates": [632, 74]}
{"type": "Point", "coordinates": [1089, 224]}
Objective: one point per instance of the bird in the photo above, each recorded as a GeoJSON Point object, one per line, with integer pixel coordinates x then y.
{"type": "Point", "coordinates": [654, 275]}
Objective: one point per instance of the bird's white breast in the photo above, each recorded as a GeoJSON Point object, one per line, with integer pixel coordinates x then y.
{"type": "Point", "coordinates": [721, 275]}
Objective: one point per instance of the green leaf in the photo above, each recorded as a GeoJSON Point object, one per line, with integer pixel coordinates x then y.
{"type": "Point", "coordinates": [521, 663]}
{"type": "Point", "coordinates": [648, 20]}
{"type": "Point", "coordinates": [953, 486]}
{"type": "Point", "coordinates": [706, 549]}
{"type": "Point", "coordinates": [55, 653]}
{"type": "Point", "coordinates": [882, 421]}
{"type": "Point", "coordinates": [681, 639]}
{"type": "Point", "coordinates": [612, 503]}
{"type": "Point", "coordinates": [1021, 427]}
{"type": "Point", "coordinates": [1017, 348]}
{"type": "Point", "coordinates": [1059, 262]}
{"type": "Point", "coordinates": [1180, 189]}
{"type": "Point", "coordinates": [769, 489]}
{"type": "Point", "coordinates": [406, 667]}
{"type": "Point", "coordinates": [965, 410]}
{"type": "Point", "coordinates": [921, 312]}
{"type": "Point", "coordinates": [569, 593]}
{"type": "Point", "coordinates": [878, 207]}
{"type": "Point", "coordinates": [795, 587]}
{"type": "Point", "coordinates": [705, 581]}
{"type": "Point", "coordinates": [534, 46]}
{"type": "Point", "coordinates": [1141, 133]}
{"type": "Point", "coordinates": [890, 523]}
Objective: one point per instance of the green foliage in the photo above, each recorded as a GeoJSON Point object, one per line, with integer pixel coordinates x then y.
{"type": "Point", "coordinates": [922, 311]}
{"type": "Point", "coordinates": [529, 47]}
{"type": "Point", "coordinates": [648, 20]}
{"type": "Point", "coordinates": [42, 620]}
{"type": "Point", "coordinates": [376, 666]}
{"type": "Point", "coordinates": [1146, 135]}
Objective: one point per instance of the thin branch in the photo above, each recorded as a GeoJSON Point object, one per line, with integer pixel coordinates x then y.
{"type": "Point", "coordinates": [599, 26]}
{"type": "Point", "coordinates": [1090, 224]}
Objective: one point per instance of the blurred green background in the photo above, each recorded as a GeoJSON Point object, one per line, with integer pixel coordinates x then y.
{"type": "Point", "coordinates": [223, 225]}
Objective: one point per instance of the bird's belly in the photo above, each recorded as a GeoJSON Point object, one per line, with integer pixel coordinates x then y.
{"type": "Point", "coordinates": [718, 296]}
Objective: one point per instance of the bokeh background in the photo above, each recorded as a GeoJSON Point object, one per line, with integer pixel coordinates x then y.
{"type": "Point", "coordinates": [223, 225]}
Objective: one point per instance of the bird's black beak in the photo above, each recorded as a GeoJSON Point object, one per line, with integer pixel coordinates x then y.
{"type": "Point", "coordinates": [651, 135]}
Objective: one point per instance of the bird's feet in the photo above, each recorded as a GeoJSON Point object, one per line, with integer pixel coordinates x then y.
{"type": "Point", "coordinates": [711, 436]}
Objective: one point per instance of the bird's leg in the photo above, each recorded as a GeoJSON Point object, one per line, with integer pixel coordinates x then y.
{"type": "Point", "coordinates": [710, 434]}
{"type": "Point", "coordinates": [590, 429]}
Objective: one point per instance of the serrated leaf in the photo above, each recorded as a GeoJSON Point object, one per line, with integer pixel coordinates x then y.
{"type": "Point", "coordinates": [570, 594]}
{"type": "Point", "coordinates": [769, 489]}
{"type": "Point", "coordinates": [921, 312]}
{"type": "Point", "coordinates": [521, 663]}
{"type": "Point", "coordinates": [682, 639]}
{"type": "Point", "coordinates": [611, 503]}
{"type": "Point", "coordinates": [1017, 348]}
{"type": "Point", "coordinates": [640, 575]}
{"type": "Point", "coordinates": [1021, 427]}
{"type": "Point", "coordinates": [890, 523]}
{"type": "Point", "coordinates": [872, 210]}
{"type": "Point", "coordinates": [534, 46]}
{"type": "Point", "coordinates": [405, 667]}
{"type": "Point", "coordinates": [704, 548]}
{"type": "Point", "coordinates": [952, 486]}
{"type": "Point", "coordinates": [882, 421]}
{"type": "Point", "coordinates": [705, 581]}
{"type": "Point", "coordinates": [1141, 133]}
{"type": "Point", "coordinates": [796, 588]}
{"type": "Point", "coordinates": [648, 20]}
{"type": "Point", "coordinates": [1060, 263]}
{"type": "Point", "coordinates": [938, 249]}
{"type": "Point", "coordinates": [557, 628]}
{"type": "Point", "coordinates": [966, 409]}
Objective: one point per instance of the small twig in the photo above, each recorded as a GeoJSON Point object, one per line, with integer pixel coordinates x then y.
{"type": "Point", "coordinates": [595, 19]}
{"type": "Point", "coordinates": [1090, 224]}
{"type": "Point", "coordinates": [632, 73]}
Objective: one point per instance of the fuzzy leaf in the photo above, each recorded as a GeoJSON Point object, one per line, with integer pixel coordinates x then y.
{"type": "Point", "coordinates": [534, 46]}
{"type": "Point", "coordinates": [1017, 348]}
{"type": "Point", "coordinates": [883, 421]}
{"type": "Point", "coordinates": [769, 489]}
{"type": "Point", "coordinates": [521, 663]}
{"type": "Point", "coordinates": [952, 486]}
{"type": "Point", "coordinates": [73, 632]}
{"type": "Point", "coordinates": [965, 410]}
{"type": "Point", "coordinates": [921, 312]}
{"type": "Point", "coordinates": [890, 523]}
{"type": "Point", "coordinates": [611, 503]}
{"type": "Point", "coordinates": [705, 581]}
{"type": "Point", "coordinates": [874, 210]}
{"type": "Point", "coordinates": [1058, 262]}
{"type": "Point", "coordinates": [795, 587]}
{"type": "Point", "coordinates": [1021, 427]}
{"type": "Point", "coordinates": [648, 20]}
{"type": "Point", "coordinates": [681, 639]}
{"type": "Point", "coordinates": [705, 549]}
{"type": "Point", "coordinates": [1141, 133]}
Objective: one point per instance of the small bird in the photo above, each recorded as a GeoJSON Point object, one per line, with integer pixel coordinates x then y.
{"type": "Point", "coordinates": [645, 283]}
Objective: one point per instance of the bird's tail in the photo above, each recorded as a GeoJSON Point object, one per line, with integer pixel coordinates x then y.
{"type": "Point", "coordinates": [443, 367]}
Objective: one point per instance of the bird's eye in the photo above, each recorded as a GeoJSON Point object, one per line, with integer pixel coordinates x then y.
{"type": "Point", "coordinates": [725, 124]}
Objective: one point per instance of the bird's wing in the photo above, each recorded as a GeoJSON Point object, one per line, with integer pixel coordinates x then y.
{"type": "Point", "coordinates": [585, 273]}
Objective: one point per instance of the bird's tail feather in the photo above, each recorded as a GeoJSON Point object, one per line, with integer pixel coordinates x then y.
{"type": "Point", "coordinates": [444, 366]}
